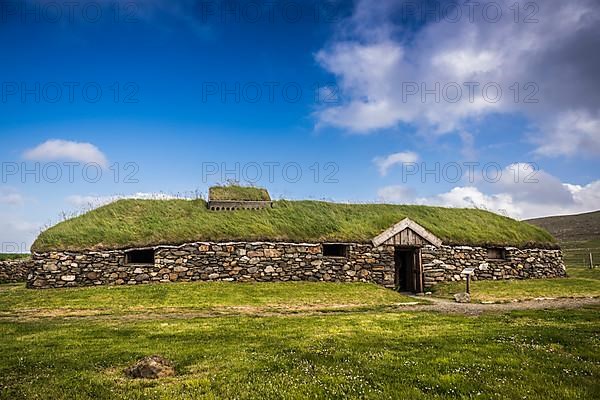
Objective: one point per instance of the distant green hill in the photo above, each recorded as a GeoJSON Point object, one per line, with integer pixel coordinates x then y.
{"type": "Point", "coordinates": [570, 228]}
{"type": "Point", "coordinates": [578, 235]}
{"type": "Point", "coordinates": [137, 223]}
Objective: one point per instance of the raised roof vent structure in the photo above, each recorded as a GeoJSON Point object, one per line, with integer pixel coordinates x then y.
{"type": "Point", "coordinates": [234, 197]}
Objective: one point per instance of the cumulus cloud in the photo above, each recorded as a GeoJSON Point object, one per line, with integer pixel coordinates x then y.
{"type": "Point", "coordinates": [569, 133]}
{"type": "Point", "coordinates": [386, 72]}
{"type": "Point", "coordinates": [57, 150]}
{"type": "Point", "coordinates": [10, 196]}
{"type": "Point", "coordinates": [396, 194]}
{"type": "Point", "coordinates": [471, 197]}
{"type": "Point", "coordinates": [387, 162]}
{"type": "Point", "coordinates": [525, 182]}
{"type": "Point", "coordinates": [16, 233]}
{"type": "Point", "coordinates": [16, 230]}
{"type": "Point", "coordinates": [518, 194]}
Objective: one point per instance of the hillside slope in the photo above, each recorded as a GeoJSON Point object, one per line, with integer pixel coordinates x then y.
{"type": "Point", "coordinates": [137, 223]}
{"type": "Point", "coordinates": [569, 228]}
{"type": "Point", "coordinates": [578, 235]}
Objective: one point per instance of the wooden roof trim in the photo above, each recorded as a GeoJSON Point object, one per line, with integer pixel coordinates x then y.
{"type": "Point", "coordinates": [402, 225]}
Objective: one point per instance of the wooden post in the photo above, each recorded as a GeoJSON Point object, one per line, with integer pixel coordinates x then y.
{"type": "Point", "coordinates": [469, 283]}
{"type": "Point", "coordinates": [591, 261]}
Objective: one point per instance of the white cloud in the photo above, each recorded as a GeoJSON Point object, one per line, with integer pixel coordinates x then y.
{"type": "Point", "coordinates": [518, 194]}
{"type": "Point", "coordinates": [56, 149]}
{"type": "Point", "coordinates": [464, 63]}
{"type": "Point", "coordinates": [396, 194]}
{"type": "Point", "coordinates": [569, 133]}
{"type": "Point", "coordinates": [387, 162]}
{"type": "Point", "coordinates": [526, 182]}
{"type": "Point", "coordinates": [16, 233]}
{"type": "Point", "coordinates": [10, 196]}
{"type": "Point", "coordinates": [471, 197]}
{"type": "Point", "coordinates": [588, 195]}
{"type": "Point", "coordinates": [376, 65]}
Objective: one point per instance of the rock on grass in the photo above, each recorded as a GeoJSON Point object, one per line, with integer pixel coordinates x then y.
{"type": "Point", "coordinates": [152, 367]}
{"type": "Point", "coordinates": [462, 297]}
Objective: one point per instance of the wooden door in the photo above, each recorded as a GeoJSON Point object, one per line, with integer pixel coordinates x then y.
{"type": "Point", "coordinates": [418, 268]}
{"type": "Point", "coordinates": [409, 271]}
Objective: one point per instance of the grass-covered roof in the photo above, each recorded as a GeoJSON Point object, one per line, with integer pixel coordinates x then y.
{"type": "Point", "coordinates": [138, 223]}
{"type": "Point", "coordinates": [238, 193]}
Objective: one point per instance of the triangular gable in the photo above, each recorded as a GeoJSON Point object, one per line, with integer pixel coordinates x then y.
{"type": "Point", "coordinates": [406, 224]}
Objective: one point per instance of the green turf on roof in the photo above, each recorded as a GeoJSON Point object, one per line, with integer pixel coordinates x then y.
{"type": "Point", "coordinates": [239, 193]}
{"type": "Point", "coordinates": [137, 223]}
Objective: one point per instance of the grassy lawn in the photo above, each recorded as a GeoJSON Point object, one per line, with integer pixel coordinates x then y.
{"type": "Point", "coordinates": [577, 253]}
{"type": "Point", "coordinates": [581, 282]}
{"type": "Point", "coordinates": [13, 256]}
{"type": "Point", "coordinates": [395, 355]}
{"type": "Point", "coordinates": [201, 296]}
{"type": "Point", "coordinates": [371, 350]}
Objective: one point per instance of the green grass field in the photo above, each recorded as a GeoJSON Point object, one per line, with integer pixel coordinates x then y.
{"type": "Point", "coordinates": [13, 256]}
{"type": "Point", "coordinates": [577, 253]}
{"type": "Point", "coordinates": [355, 354]}
{"type": "Point", "coordinates": [581, 282]}
{"type": "Point", "coordinates": [206, 297]}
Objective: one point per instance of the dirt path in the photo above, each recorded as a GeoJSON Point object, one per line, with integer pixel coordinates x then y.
{"type": "Point", "coordinates": [451, 307]}
{"type": "Point", "coordinates": [437, 305]}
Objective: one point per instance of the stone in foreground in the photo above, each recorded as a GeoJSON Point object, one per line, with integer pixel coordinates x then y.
{"type": "Point", "coordinates": [462, 297]}
{"type": "Point", "coordinates": [152, 367]}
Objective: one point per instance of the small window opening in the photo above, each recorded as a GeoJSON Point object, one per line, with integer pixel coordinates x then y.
{"type": "Point", "coordinates": [140, 257]}
{"type": "Point", "coordinates": [335, 250]}
{"type": "Point", "coordinates": [496, 253]}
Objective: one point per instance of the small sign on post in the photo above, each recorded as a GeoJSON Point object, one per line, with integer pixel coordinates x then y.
{"type": "Point", "coordinates": [468, 272]}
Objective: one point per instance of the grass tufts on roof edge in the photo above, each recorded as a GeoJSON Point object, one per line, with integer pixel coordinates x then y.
{"type": "Point", "coordinates": [139, 223]}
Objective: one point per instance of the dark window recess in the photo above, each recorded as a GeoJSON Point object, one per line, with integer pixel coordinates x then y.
{"type": "Point", "coordinates": [496, 254]}
{"type": "Point", "coordinates": [335, 250]}
{"type": "Point", "coordinates": [139, 257]}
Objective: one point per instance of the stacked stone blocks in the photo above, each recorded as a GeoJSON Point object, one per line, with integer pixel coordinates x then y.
{"type": "Point", "coordinates": [281, 262]}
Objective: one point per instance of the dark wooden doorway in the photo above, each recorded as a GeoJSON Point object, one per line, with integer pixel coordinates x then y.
{"type": "Point", "coordinates": [409, 272]}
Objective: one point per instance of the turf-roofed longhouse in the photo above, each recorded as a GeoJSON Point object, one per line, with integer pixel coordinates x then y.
{"type": "Point", "coordinates": [241, 235]}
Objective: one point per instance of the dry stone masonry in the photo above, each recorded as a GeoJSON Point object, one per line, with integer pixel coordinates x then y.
{"type": "Point", "coordinates": [12, 271]}
{"type": "Point", "coordinates": [241, 262]}
{"type": "Point", "coordinates": [277, 262]}
{"type": "Point", "coordinates": [445, 263]}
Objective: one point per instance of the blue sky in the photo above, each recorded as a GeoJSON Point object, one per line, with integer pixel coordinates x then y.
{"type": "Point", "coordinates": [329, 89]}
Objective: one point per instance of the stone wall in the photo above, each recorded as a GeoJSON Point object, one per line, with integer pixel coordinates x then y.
{"type": "Point", "coordinates": [278, 262]}
{"type": "Point", "coordinates": [445, 263]}
{"type": "Point", "coordinates": [240, 262]}
{"type": "Point", "coordinates": [14, 270]}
